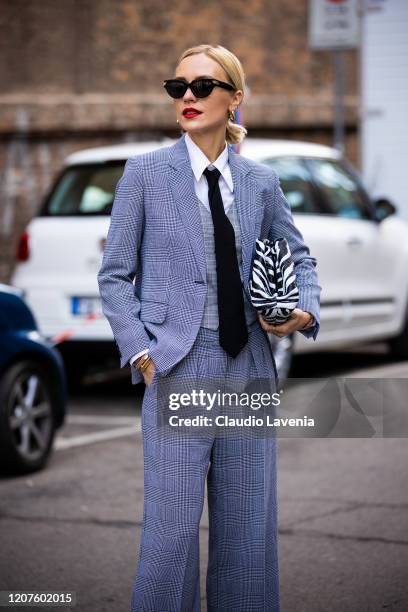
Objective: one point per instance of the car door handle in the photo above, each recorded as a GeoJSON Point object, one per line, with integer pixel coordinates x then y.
{"type": "Point", "coordinates": [354, 241]}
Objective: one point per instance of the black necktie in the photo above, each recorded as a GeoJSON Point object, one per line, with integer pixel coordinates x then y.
{"type": "Point", "coordinates": [233, 331]}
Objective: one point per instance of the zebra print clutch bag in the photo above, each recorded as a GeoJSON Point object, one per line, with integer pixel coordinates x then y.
{"type": "Point", "coordinates": [272, 286]}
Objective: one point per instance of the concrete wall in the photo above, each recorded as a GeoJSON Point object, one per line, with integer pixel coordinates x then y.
{"type": "Point", "coordinates": [384, 97]}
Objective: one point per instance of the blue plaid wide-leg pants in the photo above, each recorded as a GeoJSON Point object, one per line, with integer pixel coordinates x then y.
{"type": "Point", "coordinates": [240, 470]}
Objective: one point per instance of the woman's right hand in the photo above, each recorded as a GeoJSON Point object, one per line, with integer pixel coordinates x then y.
{"type": "Point", "coordinates": [149, 373]}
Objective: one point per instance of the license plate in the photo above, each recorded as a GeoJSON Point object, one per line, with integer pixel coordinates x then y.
{"type": "Point", "coordinates": [86, 305]}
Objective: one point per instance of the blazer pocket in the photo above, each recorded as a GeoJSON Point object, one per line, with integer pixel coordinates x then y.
{"type": "Point", "coordinates": [152, 311]}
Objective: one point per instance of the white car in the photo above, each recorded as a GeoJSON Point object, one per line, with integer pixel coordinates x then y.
{"type": "Point", "coordinates": [361, 249]}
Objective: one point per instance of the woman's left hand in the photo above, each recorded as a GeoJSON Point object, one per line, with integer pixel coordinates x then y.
{"type": "Point", "coordinates": [298, 319]}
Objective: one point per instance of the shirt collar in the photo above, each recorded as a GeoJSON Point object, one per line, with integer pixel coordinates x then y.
{"type": "Point", "coordinates": [199, 161]}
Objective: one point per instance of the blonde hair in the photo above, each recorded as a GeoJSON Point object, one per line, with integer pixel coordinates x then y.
{"type": "Point", "coordinates": [235, 72]}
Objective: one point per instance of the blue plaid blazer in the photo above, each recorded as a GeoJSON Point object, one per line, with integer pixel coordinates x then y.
{"type": "Point", "coordinates": [152, 279]}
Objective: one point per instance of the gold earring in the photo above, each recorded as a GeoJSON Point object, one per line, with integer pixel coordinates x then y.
{"type": "Point", "coordinates": [231, 116]}
{"type": "Point", "coordinates": [177, 120]}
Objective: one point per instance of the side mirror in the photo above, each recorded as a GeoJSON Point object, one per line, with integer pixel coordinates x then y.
{"type": "Point", "coordinates": [383, 208]}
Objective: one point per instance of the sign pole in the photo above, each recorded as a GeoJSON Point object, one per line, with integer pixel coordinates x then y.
{"type": "Point", "coordinates": [338, 101]}
{"type": "Point", "coordinates": [334, 25]}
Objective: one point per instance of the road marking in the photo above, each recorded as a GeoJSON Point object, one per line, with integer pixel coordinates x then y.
{"type": "Point", "coordinates": [96, 419]}
{"type": "Point", "coordinates": [62, 443]}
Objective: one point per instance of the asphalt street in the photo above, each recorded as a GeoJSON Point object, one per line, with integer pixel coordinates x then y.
{"type": "Point", "coordinates": [343, 507]}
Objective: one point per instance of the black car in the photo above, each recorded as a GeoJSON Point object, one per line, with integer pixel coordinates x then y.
{"type": "Point", "coordinates": [33, 390]}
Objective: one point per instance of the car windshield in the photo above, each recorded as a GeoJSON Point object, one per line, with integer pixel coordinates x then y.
{"type": "Point", "coordinates": [84, 190]}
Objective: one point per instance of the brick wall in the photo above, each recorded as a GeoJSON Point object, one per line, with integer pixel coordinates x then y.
{"type": "Point", "coordinates": [82, 73]}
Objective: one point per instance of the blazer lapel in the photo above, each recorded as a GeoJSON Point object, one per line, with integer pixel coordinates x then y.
{"type": "Point", "coordinates": [182, 186]}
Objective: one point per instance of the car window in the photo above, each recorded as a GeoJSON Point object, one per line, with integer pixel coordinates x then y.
{"type": "Point", "coordinates": [296, 183]}
{"type": "Point", "coordinates": [85, 190]}
{"type": "Point", "coordinates": [341, 192]}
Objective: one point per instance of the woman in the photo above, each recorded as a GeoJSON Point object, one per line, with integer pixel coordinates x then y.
{"type": "Point", "coordinates": [183, 227]}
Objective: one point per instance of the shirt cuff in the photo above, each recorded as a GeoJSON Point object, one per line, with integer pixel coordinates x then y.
{"type": "Point", "coordinates": [132, 359]}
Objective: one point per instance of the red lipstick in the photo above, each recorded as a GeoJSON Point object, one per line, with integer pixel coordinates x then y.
{"type": "Point", "coordinates": [191, 112]}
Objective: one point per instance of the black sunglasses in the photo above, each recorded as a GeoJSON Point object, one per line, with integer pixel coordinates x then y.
{"type": "Point", "coordinates": [201, 88]}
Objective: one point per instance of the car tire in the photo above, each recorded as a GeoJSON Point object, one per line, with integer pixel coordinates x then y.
{"type": "Point", "coordinates": [27, 417]}
{"type": "Point", "coordinates": [399, 345]}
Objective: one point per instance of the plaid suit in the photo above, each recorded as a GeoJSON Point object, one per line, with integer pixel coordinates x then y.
{"type": "Point", "coordinates": [156, 239]}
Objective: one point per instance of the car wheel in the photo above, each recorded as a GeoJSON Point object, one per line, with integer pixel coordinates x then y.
{"type": "Point", "coordinates": [399, 344]}
{"type": "Point", "coordinates": [27, 424]}
{"type": "Point", "coordinates": [282, 349]}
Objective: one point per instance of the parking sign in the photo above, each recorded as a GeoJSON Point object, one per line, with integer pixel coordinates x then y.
{"type": "Point", "coordinates": [333, 24]}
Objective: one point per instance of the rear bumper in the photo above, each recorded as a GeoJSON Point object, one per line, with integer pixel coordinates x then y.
{"type": "Point", "coordinates": [52, 309]}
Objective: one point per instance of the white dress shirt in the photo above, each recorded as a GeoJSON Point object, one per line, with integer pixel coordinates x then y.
{"type": "Point", "coordinates": [199, 162]}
